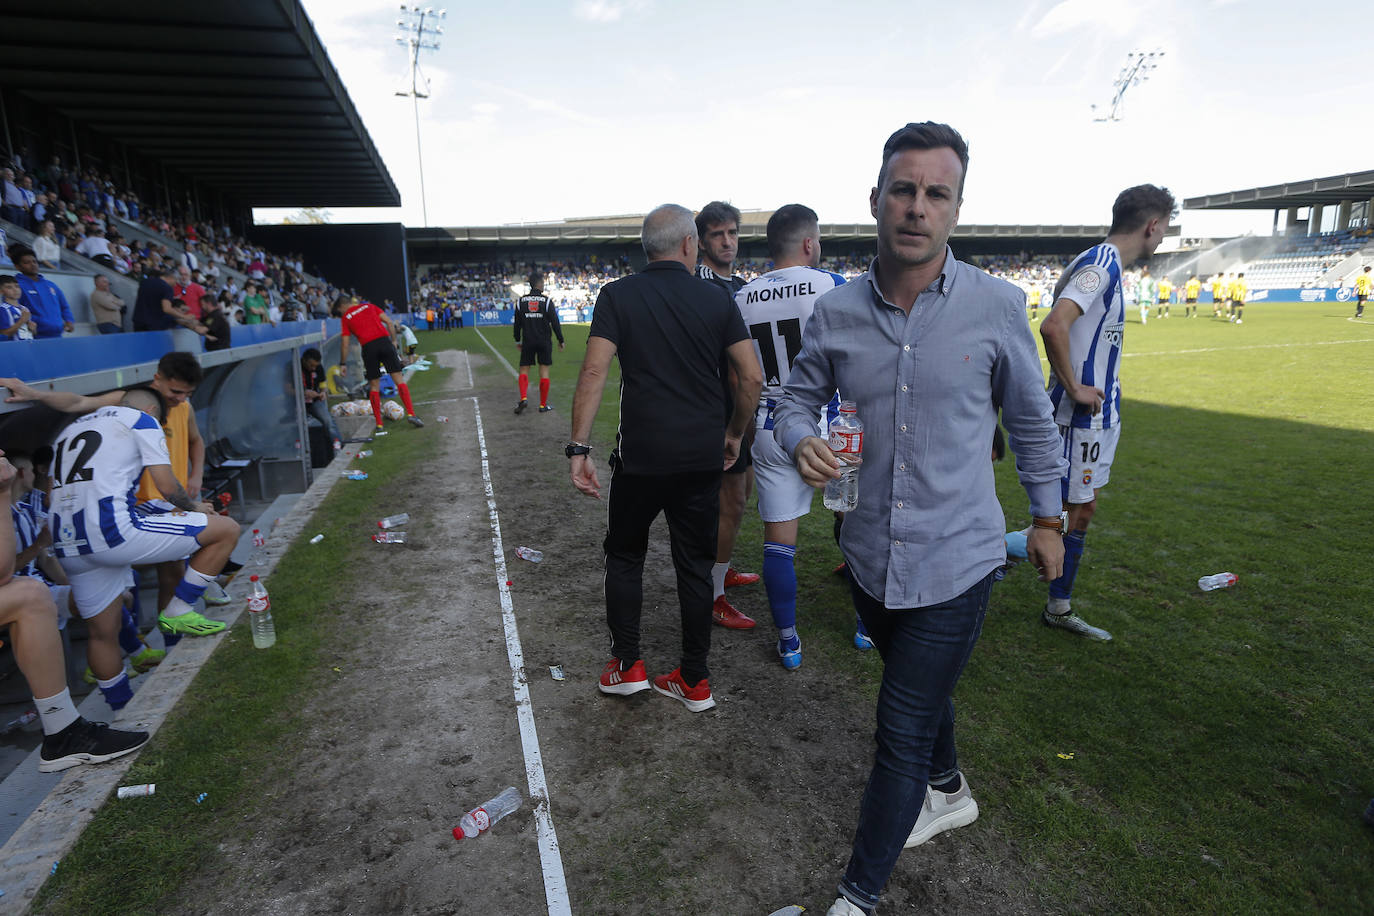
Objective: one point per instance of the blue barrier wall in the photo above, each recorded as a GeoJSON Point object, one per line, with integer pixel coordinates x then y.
{"type": "Point", "coordinates": [1344, 294]}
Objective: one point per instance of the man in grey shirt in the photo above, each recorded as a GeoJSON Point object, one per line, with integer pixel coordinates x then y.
{"type": "Point", "coordinates": [930, 349]}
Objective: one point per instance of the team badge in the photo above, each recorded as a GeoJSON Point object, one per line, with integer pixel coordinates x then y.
{"type": "Point", "coordinates": [1087, 477]}
{"type": "Point", "coordinates": [1087, 281]}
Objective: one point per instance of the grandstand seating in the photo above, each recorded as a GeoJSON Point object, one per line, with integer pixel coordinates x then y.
{"type": "Point", "coordinates": [1302, 260]}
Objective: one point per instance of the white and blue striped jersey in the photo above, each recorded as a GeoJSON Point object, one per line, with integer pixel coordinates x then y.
{"type": "Point", "coordinates": [1093, 283]}
{"type": "Point", "coordinates": [776, 308]}
{"type": "Point", "coordinates": [96, 464]}
{"type": "Point", "coordinates": [30, 518]}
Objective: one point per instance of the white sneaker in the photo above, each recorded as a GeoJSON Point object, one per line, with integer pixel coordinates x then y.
{"type": "Point", "coordinates": [842, 907]}
{"type": "Point", "coordinates": [943, 811]}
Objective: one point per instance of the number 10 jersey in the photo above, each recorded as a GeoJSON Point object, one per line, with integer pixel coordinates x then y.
{"type": "Point", "coordinates": [96, 464]}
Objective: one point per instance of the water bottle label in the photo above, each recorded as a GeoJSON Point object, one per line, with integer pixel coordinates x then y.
{"type": "Point", "coordinates": [481, 819]}
{"type": "Point", "coordinates": [257, 605]}
{"type": "Point", "coordinates": [846, 443]}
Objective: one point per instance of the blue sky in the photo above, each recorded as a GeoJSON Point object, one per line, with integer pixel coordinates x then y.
{"type": "Point", "coordinates": [549, 110]}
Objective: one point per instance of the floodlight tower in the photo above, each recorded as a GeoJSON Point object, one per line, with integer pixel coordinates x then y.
{"type": "Point", "coordinates": [420, 30]}
{"type": "Point", "coordinates": [1139, 66]}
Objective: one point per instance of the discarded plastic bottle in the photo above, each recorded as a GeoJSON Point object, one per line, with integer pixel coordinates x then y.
{"type": "Point", "coordinates": [847, 439]}
{"type": "Point", "coordinates": [390, 537]}
{"type": "Point", "coordinates": [355, 475]}
{"type": "Point", "coordinates": [394, 521]}
{"type": "Point", "coordinates": [480, 819]}
{"type": "Point", "coordinates": [529, 553]}
{"type": "Point", "coordinates": [1220, 580]}
{"type": "Point", "coordinates": [259, 554]}
{"type": "Point", "coordinates": [260, 615]}
{"type": "Point", "coordinates": [365, 453]}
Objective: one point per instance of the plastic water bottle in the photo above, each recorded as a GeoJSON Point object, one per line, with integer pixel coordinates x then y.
{"type": "Point", "coordinates": [394, 521]}
{"type": "Point", "coordinates": [846, 438]}
{"type": "Point", "coordinates": [260, 615]}
{"type": "Point", "coordinates": [1220, 580]}
{"type": "Point", "coordinates": [480, 819]}
{"type": "Point", "coordinates": [529, 553]}
{"type": "Point", "coordinates": [390, 537]}
{"type": "Point", "coordinates": [259, 554]}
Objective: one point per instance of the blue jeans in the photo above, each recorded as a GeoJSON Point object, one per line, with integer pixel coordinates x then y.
{"type": "Point", "coordinates": [924, 651]}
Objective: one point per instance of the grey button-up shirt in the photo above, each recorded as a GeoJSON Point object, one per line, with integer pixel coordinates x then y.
{"type": "Point", "coordinates": [928, 387]}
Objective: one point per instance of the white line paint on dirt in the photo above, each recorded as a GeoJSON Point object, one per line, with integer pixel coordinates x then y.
{"type": "Point", "coordinates": [555, 884]}
{"type": "Point", "coordinates": [467, 361]}
{"type": "Point", "coordinates": [505, 362]}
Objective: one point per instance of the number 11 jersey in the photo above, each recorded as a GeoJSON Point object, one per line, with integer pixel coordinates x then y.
{"type": "Point", "coordinates": [96, 464]}
{"type": "Point", "coordinates": [776, 308]}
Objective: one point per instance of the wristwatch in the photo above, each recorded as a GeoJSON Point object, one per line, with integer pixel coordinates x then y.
{"type": "Point", "coordinates": [577, 448]}
{"type": "Point", "coordinates": [1061, 524]}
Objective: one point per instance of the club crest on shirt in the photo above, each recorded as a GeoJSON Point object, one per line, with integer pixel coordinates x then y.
{"type": "Point", "coordinates": [1087, 477]}
{"type": "Point", "coordinates": [1087, 281]}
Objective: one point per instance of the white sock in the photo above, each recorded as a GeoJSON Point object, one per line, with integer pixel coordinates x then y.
{"type": "Point", "coordinates": [57, 712]}
{"type": "Point", "coordinates": [1058, 607]}
{"type": "Point", "coordinates": [718, 577]}
{"type": "Point", "coordinates": [108, 682]}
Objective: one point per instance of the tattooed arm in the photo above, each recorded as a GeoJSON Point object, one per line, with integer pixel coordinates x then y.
{"type": "Point", "coordinates": [171, 488]}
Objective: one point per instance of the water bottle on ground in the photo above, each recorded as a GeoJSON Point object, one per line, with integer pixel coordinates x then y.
{"type": "Point", "coordinates": [260, 615]}
{"type": "Point", "coordinates": [259, 553]}
{"type": "Point", "coordinates": [394, 521]}
{"type": "Point", "coordinates": [529, 553]}
{"type": "Point", "coordinates": [1220, 580]}
{"type": "Point", "coordinates": [480, 819]}
{"type": "Point", "coordinates": [846, 438]}
{"type": "Point", "coordinates": [390, 537]}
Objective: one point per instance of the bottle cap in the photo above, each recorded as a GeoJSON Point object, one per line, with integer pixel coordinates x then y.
{"type": "Point", "coordinates": [252, 578]}
{"type": "Point", "coordinates": [458, 833]}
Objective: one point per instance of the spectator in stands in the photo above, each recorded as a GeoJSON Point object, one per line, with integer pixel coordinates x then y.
{"type": "Point", "coordinates": [316, 400]}
{"type": "Point", "coordinates": [216, 321]}
{"type": "Point", "coordinates": [154, 309]}
{"type": "Point", "coordinates": [47, 247]}
{"type": "Point", "coordinates": [96, 247]}
{"type": "Point", "coordinates": [27, 608]}
{"type": "Point", "coordinates": [40, 208]}
{"type": "Point", "coordinates": [189, 291]}
{"type": "Point", "coordinates": [254, 305]}
{"type": "Point", "coordinates": [15, 206]}
{"type": "Point", "coordinates": [15, 321]}
{"type": "Point", "coordinates": [44, 300]}
{"type": "Point", "coordinates": [107, 308]}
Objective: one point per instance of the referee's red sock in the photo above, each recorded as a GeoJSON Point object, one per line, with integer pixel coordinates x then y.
{"type": "Point", "coordinates": [375, 397]}
{"type": "Point", "coordinates": [524, 385]}
{"type": "Point", "coordinates": [404, 389]}
{"type": "Point", "coordinates": [543, 392]}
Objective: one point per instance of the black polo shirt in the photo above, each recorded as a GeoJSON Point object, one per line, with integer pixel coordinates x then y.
{"type": "Point", "coordinates": [148, 313]}
{"type": "Point", "coordinates": [671, 331]}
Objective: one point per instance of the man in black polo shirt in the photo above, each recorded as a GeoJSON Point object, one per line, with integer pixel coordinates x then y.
{"type": "Point", "coordinates": [155, 309]}
{"type": "Point", "coordinates": [669, 331]}
{"type": "Point", "coordinates": [536, 320]}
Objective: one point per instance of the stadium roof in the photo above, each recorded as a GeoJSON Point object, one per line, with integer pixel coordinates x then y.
{"type": "Point", "coordinates": [239, 96]}
{"type": "Point", "coordinates": [1354, 186]}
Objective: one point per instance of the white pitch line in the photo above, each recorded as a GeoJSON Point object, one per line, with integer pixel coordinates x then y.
{"type": "Point", "coordinates": [1282, 346]}
{"type": "Point", "coordinates": [467, 360]}
{"type": "Point", "coordinates": [505, 362]}
{"type": "Point", "coordinates": [555, 884]}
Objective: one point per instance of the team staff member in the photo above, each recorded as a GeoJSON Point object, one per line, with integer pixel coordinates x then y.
{"type": "Point", "coordinates": [1363, 284]}
{"type": "Point", "coordinates": [929, 348]}
{"type": "Point", "coordinates": [537, 321]}
{"type": "Point", "coordinates": [669, 330]}
{"type": "Point", "coordinates": [1191, 290]}
{"type": "Point", "coordinates": [718, 231]}
{"type": "Point", "coordinates": [373, 328]}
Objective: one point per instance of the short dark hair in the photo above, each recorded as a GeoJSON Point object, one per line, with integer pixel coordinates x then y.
{"type": "Point", "coordinates": [1136, 206]}
{"type": "Point", "coordinates": [787, 226]}
{"type": "Point", "coordinates": [181, 366]}
{"type": "Point", "coordinates": [312, 353]}
{"type": "Point", "coordinates": [147, 400]}
{"type": "Point", "coordinates": [7, 278]}
{"type": "Point", "coordinates": [715, 213]}
{"type": "Point", "coordinates": [19, 250]}
{"type": "Point", "coordinates": [926, 135]}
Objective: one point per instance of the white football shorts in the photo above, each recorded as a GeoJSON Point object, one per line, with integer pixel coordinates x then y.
{"type": "Point", "coordinates": [1090, 453]}
{"type": "Point", "coordinates": [783, 495]}
{"type": "Point", "coordinates": [99, 578]}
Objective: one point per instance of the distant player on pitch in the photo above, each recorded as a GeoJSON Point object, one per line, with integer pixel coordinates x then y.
{"type": "Point", "coordinates": [1082, 336]}
{"type": "Point", "coordinates": [1363, 283]}
{"type": "Point", "coordinates": [537, 320]}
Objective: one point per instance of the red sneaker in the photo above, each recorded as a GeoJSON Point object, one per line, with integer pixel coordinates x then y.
{"type": "Point", "coordinates": [623, 683]}
{"type": "Point", "coordinates": [725, 615]}
{"type": "Point", "coordinates": [733, 578]}
{"type": "Point", "coordinates": [697, 699]}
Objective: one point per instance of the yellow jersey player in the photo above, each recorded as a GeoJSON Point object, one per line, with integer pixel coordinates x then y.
{"type": "Point", "coordinates": [1218, 293]}
{"type": "Point", "coordinates": [1239, 291]}
{"type": "Point", "coordinates": [1191, 289]}
{"type": "Point", "coordinates": [1363, 283]}
{"type": "Point", "coordinates": [1033, 300]}
{"type": "Point", "coordinates": [1162, 297]}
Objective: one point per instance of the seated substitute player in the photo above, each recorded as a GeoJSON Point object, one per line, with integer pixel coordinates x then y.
{"type": "Point", "coordinates": [1083, 335]}
{"type": "Point", "coordinates": [373, 328]}
{"type": "Point", "coordinates": [27, 609]}
{"type": "Point", "coordinates": [537, 321]}
{"type": "Point", "coordinates": [776, 308]}
{"type": "Point", "coordinates": [98, 532]}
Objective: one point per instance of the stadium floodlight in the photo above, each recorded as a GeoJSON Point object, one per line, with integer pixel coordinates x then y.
{"type": "Point", "coordinates": [420, 31]}
{"type": "Point", "coordinates": [1139, 66]}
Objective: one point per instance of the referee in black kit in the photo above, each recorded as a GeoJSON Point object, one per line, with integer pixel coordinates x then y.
{"type": "Point", "coordinates": [537, 321]}
{"type": "Point", "coordinates": [670, 331]}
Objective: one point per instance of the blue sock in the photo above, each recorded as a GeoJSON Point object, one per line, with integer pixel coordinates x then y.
{"type": "Point", "coordinates": [859, 626]}
{"type": "Point", "coordinates": [118, 692]}
{"type": "Point", "coordinates": [780, 581]}
{"type": "Point", "coordinates": [128, 635]}
{"type": "Point", "coordinates": [1073, 552]}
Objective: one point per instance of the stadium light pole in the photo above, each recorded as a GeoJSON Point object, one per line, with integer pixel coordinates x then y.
{"type": "Point", "coordinates": [420, 31]}
{"type": "Point", "coordinates": [1139, 66]}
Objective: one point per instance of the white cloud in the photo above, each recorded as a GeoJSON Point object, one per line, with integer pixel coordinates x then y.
{"type": "Point", "coordinates": [605, 10]}
{"type": "Point", "coordinates": [1115, 16]}
{"type": "Point", "coordinates": [547, 106]}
